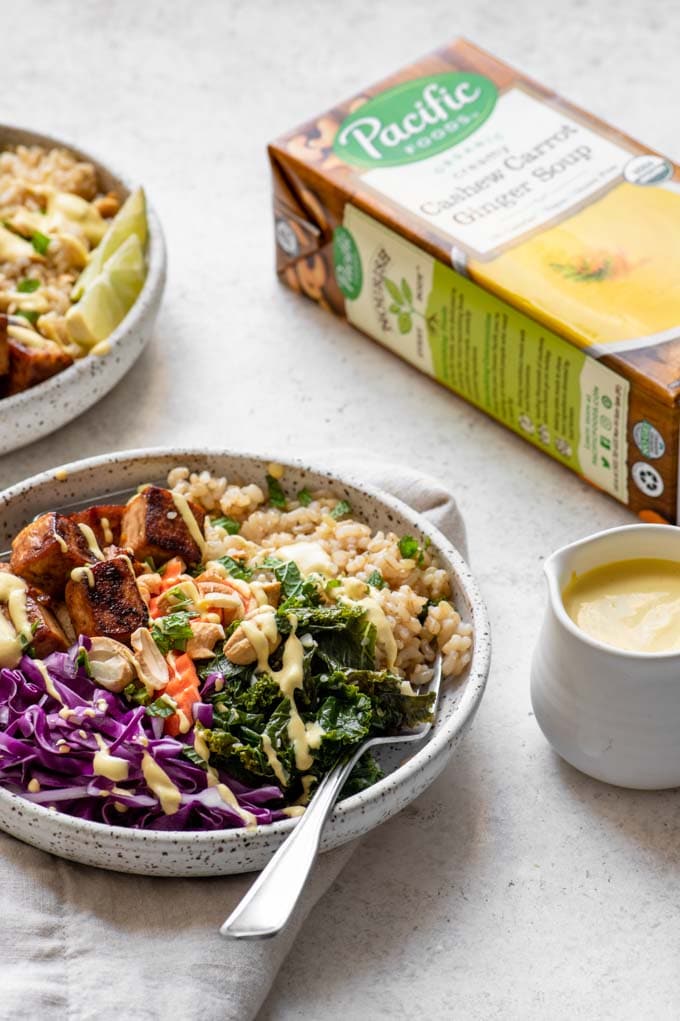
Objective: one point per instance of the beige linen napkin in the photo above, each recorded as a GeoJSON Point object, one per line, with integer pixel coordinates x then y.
{"type": "Point", "coordinates": [81, 944]}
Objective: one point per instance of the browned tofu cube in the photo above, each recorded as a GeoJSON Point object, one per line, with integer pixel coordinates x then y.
{"type": "Point", "coordinates": [154, 527]}
{"type": "Point", "coordinates": [33, 359]}
{"type": "Point", "coordinates": [4, 347]}
{"type": "Point", "coordinates": [104, 600]}
{"type": "Point", "coordinates": [45, 552]}
{"type": "Point", "coordinates": [48, 635]}
{"type": "Point", "coordinates": [104, 520]}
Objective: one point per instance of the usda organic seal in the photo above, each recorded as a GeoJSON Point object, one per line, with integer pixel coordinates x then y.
{"type": "Point", "coordinates": [647, 169]}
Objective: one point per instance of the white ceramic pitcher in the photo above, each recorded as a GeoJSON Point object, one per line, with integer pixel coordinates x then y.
{"type": "Point", "coordinates": [611, 713]}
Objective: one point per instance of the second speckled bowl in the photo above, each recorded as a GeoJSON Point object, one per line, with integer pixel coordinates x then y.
{"type": "Point", "coordinates": [34, 413]}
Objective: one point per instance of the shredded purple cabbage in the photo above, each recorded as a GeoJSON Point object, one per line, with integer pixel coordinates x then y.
{"type": "Point", "coordinates": [51, 745]}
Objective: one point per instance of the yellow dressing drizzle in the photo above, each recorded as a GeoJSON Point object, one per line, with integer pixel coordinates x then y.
{"type": "Point", "coordinates": [82, 573]}
{"type": "Point", "coordinates": [310, 557]}
{"type": "Point", "coordinates": [289, 679]}
{"type": "Point", "coordinates": [49, 684]}
{"type": "Point", "coordinates": [273, 760]}
{"type": "Point", "coordinates": [91, 540]}
{"type": "Point", "coordinates": [160, 783]}
{"type": "Point", "coordinates": [260, 630]}
{"type": "Point", "coordinates": [108, 765]}
{"type": "Point", "coordinates": [182, 505]}
{"type": "Point", "coordinates": [307, 782]}
{"type": "Point", "coordinates": [61, 540]}
{"type": "Point", "coordinates": [106, 528]}
{"type": "Point", "coordinates": [384, 634]}
{"type": "Point", "coordinates": [16, 626]}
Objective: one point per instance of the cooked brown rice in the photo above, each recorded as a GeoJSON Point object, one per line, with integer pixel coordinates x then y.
{"type": "Point", "coordinates": [33, 181]}
{"type": "Point", "coordinates": [355, 551]}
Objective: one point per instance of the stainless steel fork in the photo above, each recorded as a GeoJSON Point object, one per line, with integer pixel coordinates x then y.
{"type": "Point", "coordinates": [272, 898]}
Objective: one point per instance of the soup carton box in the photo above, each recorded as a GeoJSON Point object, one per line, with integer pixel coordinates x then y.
{"type": "Point", "coordinates": [515, 248]}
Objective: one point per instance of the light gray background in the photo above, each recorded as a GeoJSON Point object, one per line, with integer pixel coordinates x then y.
{"type": "Point", "coordinates": [515, 888]}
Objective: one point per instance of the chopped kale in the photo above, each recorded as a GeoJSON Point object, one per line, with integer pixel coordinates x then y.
{"type": "Point", "coordinates": [293, 585]}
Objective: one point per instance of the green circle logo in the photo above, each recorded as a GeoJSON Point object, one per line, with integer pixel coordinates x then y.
{"type": "Point", "coordinates": [347, 262]}
{"type": "Point", "coordinates": [415, 120]}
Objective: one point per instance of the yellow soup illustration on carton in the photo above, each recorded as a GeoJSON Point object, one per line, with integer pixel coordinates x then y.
{"type": "Point", "coordinates": [608, 274]}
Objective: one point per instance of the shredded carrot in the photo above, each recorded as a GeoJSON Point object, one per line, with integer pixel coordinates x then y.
{"type": "Point", "coordinates": [173, 569]}
{"type": "Point", "coordinates": [183, 688]}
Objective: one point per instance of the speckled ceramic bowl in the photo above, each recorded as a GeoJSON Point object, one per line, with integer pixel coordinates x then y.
{"type": "Point", "coordinates": [34, 413]}
{"type": "Point", "coordinates": [228, 851]}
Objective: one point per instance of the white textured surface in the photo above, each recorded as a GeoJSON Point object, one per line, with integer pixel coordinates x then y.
{"type": "Point", "coordinates": [516, 888]}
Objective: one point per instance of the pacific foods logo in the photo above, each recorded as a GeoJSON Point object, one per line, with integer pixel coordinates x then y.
{"type": "Point", "coordinates": [415, 120]}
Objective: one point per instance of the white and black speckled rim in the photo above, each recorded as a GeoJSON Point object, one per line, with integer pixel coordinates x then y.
{"type": "Point", "coordinates": [148, 296]}
{"type": "Point", "coordinates": [443, 739]}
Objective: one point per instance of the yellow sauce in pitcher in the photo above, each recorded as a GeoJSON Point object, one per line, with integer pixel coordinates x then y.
{"type": "Point", "coordinates": [633, 605]}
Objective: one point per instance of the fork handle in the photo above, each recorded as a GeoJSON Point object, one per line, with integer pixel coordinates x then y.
{"type": "Point", "coordinates": [270, 901]}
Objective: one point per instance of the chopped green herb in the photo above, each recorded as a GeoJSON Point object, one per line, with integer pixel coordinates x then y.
{"type": "Point", "coordinates": [422, 616]}
{"type": "Point", "coordinates": [181, 599]}
{"type": "Point", "coordinates": [40, 242]}
{"type": "Point", "coordinates": [192, 755]}
{"type": "Point", "coordinates": [83, 660]}
{"type": "Point", "coordinates": [163, 707]}
{"type": "Point", "coordinates": [376, 580]}
{"type": "Point", "coordinates": [277, 497]}
{"type": "Point", "coordinates": [305, 497]}
{"type": "Point", "coordinates": [151, 564]}
{"type": "Point", "coordinates": [333, 583]}
{"type": "Point", "coordinates": [230, 525]}
{"type": "Point", "coordinates": [408, 547]}
{"type": "Point", "coordinates": [410, 550]}
{"type": "Point", "coordinates": [30, 314]}
{"type": "Point", "coordinates": [236, 569]}
{"type": "Point", "coordinates": [28, 285]}
{"type": "Point", "coordinates": [341, 508]}
{"type": "Point", "coordinates": [172, 631]}
{"type": "Point", "coordinates": [136, 692]}
{"type": "Point", "coordinates": [24, 643]}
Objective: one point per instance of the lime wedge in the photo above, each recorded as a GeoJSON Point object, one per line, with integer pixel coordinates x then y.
{"type": "Point", "coordinates": [130, 219]}
{"type": "Point", "coordinates": [126, 270]}
{"type": "Point", "coordinates": [96, 315]}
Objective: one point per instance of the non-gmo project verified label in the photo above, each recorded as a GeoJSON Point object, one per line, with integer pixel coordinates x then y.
{"type": "Point", "coordinates": [648, 440]}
